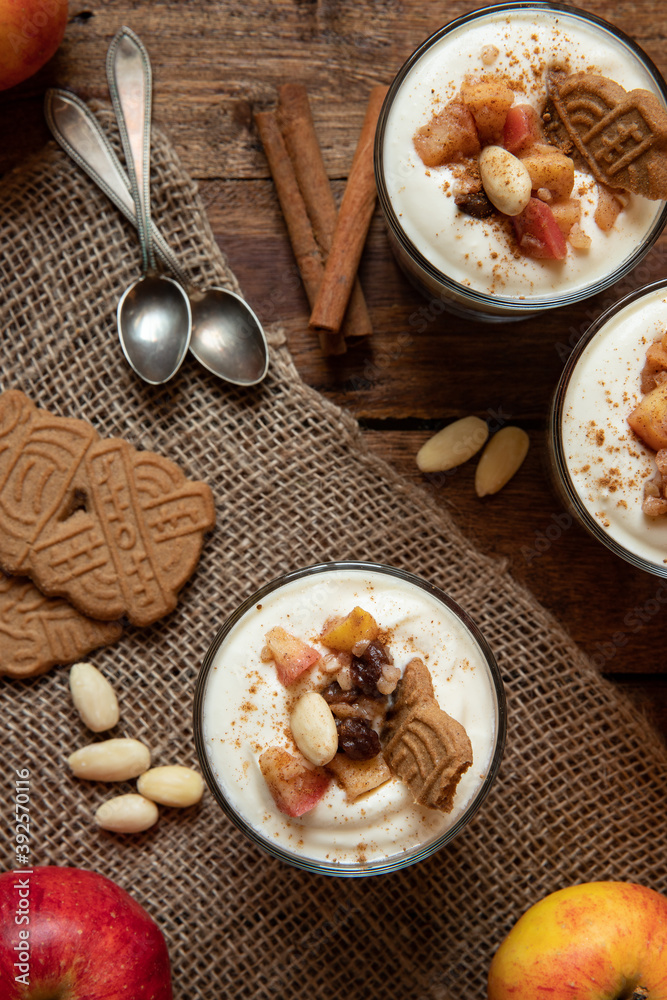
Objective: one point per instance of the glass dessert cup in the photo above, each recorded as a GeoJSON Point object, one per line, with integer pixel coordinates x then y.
{"type": "Point", "coordinates": [447, 255]}
{"type": "Point", "coordinates": [376, 824]}
{"type": "Point", "coordinates": [597, 465]}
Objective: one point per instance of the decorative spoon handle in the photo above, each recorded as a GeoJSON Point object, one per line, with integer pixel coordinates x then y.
{"type": "Point", "coordinates": [131, 87]}
{"type": "Point", "coordinates": [78, 132]}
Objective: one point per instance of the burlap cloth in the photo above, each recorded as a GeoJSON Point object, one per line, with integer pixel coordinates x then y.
{"type": "Point", "coordinates": [581, 793]}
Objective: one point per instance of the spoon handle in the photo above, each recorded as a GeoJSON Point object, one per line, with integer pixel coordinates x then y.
{"type": "Point", "coordinates": [130, 83]}
{"type": "Point", "coordinates": [78, 132]}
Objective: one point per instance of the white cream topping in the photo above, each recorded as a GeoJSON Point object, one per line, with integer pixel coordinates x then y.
{"type": "Point", "coordinates": [607, 463]}
{"type": "Point", "coordinates": [472, 251]}
{"type": "Point", "coordinates": [246, 711]}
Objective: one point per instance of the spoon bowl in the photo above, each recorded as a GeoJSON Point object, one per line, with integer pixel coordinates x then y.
{"type": "Point", "coordinates": [152, 314]}
{"type": "Point", "coordinates": [227, 338]}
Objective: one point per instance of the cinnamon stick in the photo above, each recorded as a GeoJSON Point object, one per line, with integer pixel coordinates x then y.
{"type": "Point", "coordinates": [354, 219]}
{"type": "Point", "coordinates": [304, 246]}
{"type": "Point", "coordinates": [298, 129]}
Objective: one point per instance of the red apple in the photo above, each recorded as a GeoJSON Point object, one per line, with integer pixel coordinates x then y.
{"type": "Point", "coordinates": [30, 33]}
{"type": "Point", "coordinates": [594, 941]}
{"type": "Point", "coordinates": [74, 934]}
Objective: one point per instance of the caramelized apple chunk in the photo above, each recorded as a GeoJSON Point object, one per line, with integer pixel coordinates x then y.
{"type": "Point", "coordinates": [489, 102]}
{"type": "Point", "coordinates": [291, 655]}
{"type": "Point", "coordinates": [649, 418]}
{"type": "Point", "coordinates": [358, 626]}
{"type": "Point", "coordinates": [449, 136]}
{"type": "Point", "coordinates": [549, 168]}
{"type": "Point", "coordinates": [295, 786]}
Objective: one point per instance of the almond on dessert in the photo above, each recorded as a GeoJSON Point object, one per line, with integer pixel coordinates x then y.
{"type": "Point", "coordinates": [295, 786]}
{"type": "Point", "coordinates": [291, 656]}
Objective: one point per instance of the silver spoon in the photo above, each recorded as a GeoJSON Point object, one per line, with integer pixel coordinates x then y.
{"type": "Point", "coordinates": [227, 337]}
{"type": "Point", "coordinates": [154, 317]}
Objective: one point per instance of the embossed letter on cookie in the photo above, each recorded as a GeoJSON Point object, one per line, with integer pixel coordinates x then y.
{"type": "Point", "coordinates": [114, 530]}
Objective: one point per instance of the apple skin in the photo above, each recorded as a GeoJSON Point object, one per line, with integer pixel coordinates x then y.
{"type": "Point", "coordinates": [594, 941]}
{"type": "Point", "coordinates": [30, 33]}
{"type": "Point", "coordinates": [88, 939]}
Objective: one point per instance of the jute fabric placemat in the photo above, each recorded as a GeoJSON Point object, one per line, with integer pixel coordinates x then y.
{"type": "Point", "coordinates": [581, 794]}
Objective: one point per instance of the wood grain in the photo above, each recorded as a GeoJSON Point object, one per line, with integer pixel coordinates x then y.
{"type": "Point", "coordinates": [215, 63]}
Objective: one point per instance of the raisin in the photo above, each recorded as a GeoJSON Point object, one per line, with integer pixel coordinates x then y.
{"type": "Point", "coordinates": [476, 204]}
{"type": "Point", "coordinates": [357, 739]}
{"type": "Point", "coordinates": [334, 694]}
{"type": "Point", "coordinates": [365, 674]}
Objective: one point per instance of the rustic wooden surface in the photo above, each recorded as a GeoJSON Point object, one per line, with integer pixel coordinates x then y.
{"type": "Point", "coordinates": [214, 63]}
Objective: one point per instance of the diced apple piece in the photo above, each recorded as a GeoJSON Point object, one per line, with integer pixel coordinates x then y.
{"type": "Point", "coordinates": [537, 232]}
{"type": "Point", "coordinates": [359, 776]}
{"type": "Point", "coordinates": [358, 626]}
{"type": "Point", "coordinates": [295, 787]}
{"type": "Point", "coordinates": [489, 101]}
{"type": "Point", "coordinates": [549, 168]}
{"type": "Point", "coordinates": [566, 213]}
{"type": "Point", "coordinates": [450, 135]}
{"type": "Point", "coordinates": [291, 656]}
{"type": "Point", "coordinates": [607, 209]}
{"type": "Point", "coordinates": [649, 418]}
{"type": "Point", "coordinates": [657, 356]}
{"type": "Point", "coordinates": [522, 128]}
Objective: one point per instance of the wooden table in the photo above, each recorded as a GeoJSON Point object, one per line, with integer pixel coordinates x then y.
{"type": "Point", "coordinates": [217, 61]}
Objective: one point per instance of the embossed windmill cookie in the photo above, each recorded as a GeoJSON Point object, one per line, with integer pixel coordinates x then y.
{"type": "Point", "coordinates": [114, 530]}
{"type": "Point", "coordinates": [621, 135]}
{"type": "Point", "coordinates": [38, 632]}
{"type": "Point", "coordinates": [427, 749]}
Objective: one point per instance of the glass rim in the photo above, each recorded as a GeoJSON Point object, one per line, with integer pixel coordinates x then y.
{"type": "Point", "coordinates": [484, 299]}
{"type": "Point", "coordinates": [405, 858]}
{"type": "Point", "coordinates": [555, 434]}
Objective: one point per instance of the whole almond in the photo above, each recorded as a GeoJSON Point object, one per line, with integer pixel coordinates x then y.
{"type": "Point", "coordinates": [93, 697]}
{"type": "Point", "coordinates": [501, 458]}
{"type": "Point", "coordinates": [129, 813]}
{"type": "Point", "coordinates": [453, 445]}
{"type": "Point", "coordinates": [172, 785]}
{"type": "Point", "coordinates": [111, 760]}
{"type": "Point", "coordinates": [314, 728]}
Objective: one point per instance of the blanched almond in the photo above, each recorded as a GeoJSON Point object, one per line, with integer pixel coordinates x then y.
{"type": "Point", "coordinates": [111, 760]}
{"type": "Point", "coordinates": [453, 445]}
{"type": "Point", "coordinates": [505, 179]}
{"type": "Point", "coordinates": [314, 728]}
{"type": "Point", "coordinates": [501, 458]}
{"type": "Point", "coordinates": [172, 785]}
{"type": "Point", "coordinates": [93, 697]}
{"type": "Point", "coordinates": [129, 813]}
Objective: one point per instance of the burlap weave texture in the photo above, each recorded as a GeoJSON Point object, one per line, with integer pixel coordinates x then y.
{"type": "Point", "coordinates": [581, 793]}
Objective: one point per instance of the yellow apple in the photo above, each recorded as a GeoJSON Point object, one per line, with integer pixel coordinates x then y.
{"type": "Point", "coordinates": [30, 33]}
{"type": "Point", "coordinates": [594, 941]}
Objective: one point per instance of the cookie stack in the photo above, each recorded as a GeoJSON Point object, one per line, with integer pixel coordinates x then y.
{"type": "Point", "coordinates": [91, 531]}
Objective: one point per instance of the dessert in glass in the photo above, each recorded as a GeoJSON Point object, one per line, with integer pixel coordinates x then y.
{"type": "Point", "coordinates": [608, 429]}
{"type": "Point", "coordinates": [350, 718]}
{"type": "Point", "coordinates": [508, 158]}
